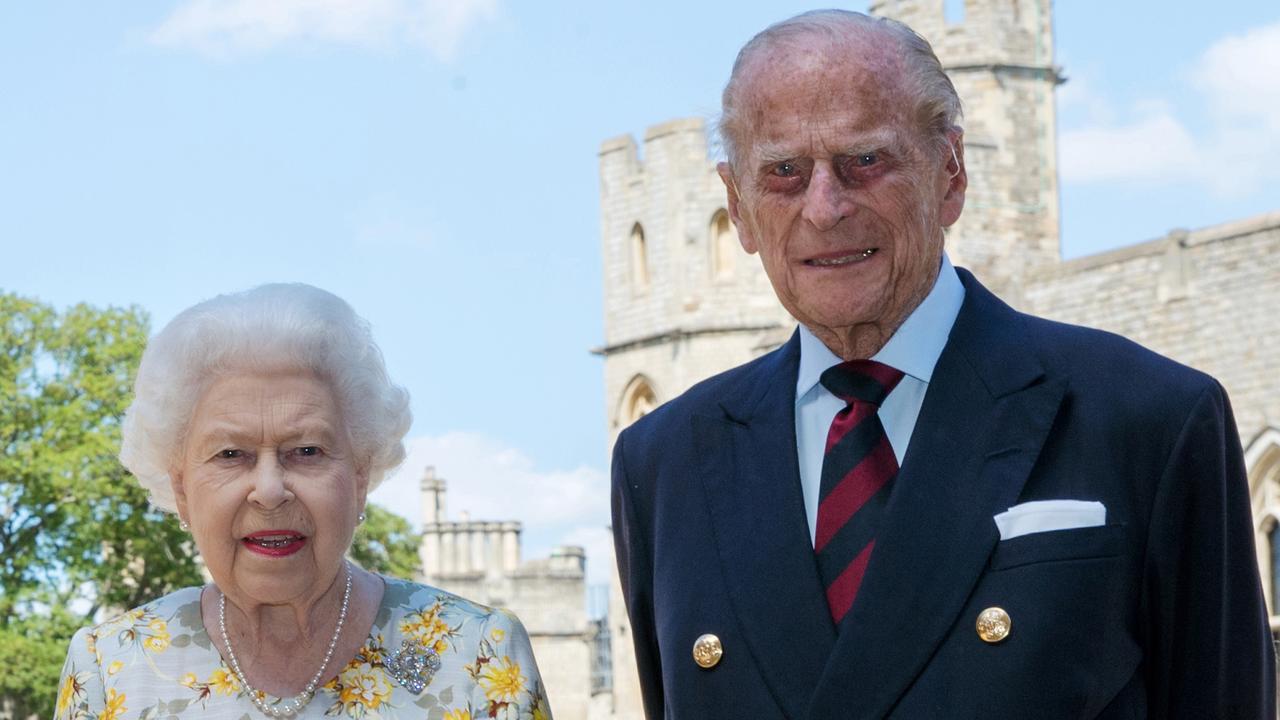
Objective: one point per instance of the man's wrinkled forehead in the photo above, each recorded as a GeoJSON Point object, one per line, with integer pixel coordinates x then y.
{"type": "Point", "coordinates": [791, 88]}
{"type": "Point", "coordinates": [858, 58]}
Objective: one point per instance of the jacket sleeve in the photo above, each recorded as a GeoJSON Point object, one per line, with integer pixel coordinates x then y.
{"type": "Point", "coordinates": [635, 570]}
{"type": "Point", "coordinates": [1208, 647]}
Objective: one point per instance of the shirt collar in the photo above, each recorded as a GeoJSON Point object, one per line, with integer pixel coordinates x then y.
{"type": "Point", "coordinates": [914, 348]}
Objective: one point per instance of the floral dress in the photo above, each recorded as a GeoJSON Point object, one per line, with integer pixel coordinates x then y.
{"type": "Point", "coordinates": [157, 662]}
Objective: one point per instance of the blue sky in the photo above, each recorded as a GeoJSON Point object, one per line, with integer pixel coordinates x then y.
{"type": "Point", "coordinates": [434, 162]}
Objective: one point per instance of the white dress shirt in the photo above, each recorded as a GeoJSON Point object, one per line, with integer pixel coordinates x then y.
{"type": "Point", "coordinates": [914, 349]}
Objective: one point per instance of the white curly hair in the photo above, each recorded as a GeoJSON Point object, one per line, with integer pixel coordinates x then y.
{"type": "Point", "coordinates": [269, 327]}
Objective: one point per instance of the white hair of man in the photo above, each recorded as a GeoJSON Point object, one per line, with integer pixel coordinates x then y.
{"type": "Point", "coordinates": [271, 327]}
{"type": "Point", "coordinates": [938, 109]}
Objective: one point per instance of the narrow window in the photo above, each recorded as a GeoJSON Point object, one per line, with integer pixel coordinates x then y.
{"type": "Point", "coordinates": [1274, 546]}
{"type": "Point", "coordinates": [639, 259]}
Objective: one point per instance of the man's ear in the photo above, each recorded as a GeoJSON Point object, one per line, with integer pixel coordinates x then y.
{"type": "Point", "coordinates": [957, 182]}
{"type": "Point", "coordinates": [731, 189]}
{"type": "Point", "coordinates": [179, 495]}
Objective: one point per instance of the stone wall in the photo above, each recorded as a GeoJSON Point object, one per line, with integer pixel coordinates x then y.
{"type": "Point", "coordinates": [1205, 298]}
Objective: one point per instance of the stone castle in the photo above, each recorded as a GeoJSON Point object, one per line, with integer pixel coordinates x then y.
{"type": "Point", "coordinates": [682, 302]}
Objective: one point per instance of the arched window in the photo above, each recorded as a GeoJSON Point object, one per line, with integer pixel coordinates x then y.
{"type": "Point", "coordinates": [1273, 545]}
{"type": "Point", "coordinates": [1262, 461]}
{"type": "Point", "coordinates": [639, 259]}
{"type": "Point", "coordinates": [638, 400]}
{"type": "Point", "coordinates": [724, 246]}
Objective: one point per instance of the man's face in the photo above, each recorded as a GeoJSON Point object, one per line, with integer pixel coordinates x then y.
{"type": "Point", "coordinates": [838, 190]}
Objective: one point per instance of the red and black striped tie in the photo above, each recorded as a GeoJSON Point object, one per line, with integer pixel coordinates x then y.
{"type": "Point", "coordinates": [858, 468]}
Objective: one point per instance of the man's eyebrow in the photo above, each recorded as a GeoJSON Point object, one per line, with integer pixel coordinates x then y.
{"type": "Point", "coordinates": [881, 139]}
{"type": "Point", "coordinates": [770, 155]}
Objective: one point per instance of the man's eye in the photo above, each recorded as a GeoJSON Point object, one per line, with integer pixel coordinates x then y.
{"type": "Point", "coordinates": [785, 169]}
{"type": "Point", "coordinates": [865, 159]}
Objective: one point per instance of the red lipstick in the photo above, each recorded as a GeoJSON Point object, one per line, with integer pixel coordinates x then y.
{"type": "Point", "coordinates": [275, 543]}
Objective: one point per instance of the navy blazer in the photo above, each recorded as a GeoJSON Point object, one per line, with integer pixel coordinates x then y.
{"type": "Point", "coordinates": [1158, 614]}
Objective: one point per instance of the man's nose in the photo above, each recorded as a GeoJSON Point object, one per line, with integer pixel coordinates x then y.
{"type": "Point", "coordinates": [826, 201]}
{"type": "Point", "coordinates": [269, 490]}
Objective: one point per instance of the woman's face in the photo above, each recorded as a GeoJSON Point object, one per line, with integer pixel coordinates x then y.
{"type": "Point", "coordinates": [269, 484]}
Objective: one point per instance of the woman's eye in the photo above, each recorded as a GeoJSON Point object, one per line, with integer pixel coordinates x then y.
{"type": "Point", "coordinates": [309, 451]}
{"type": "Point", "coordinates": [229, 454]}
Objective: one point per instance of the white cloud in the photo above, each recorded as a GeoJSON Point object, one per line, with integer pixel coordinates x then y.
{"type": "Point", "coordinates": [232, 27]}
{"type": "Point", "coordinates": [490, 481]}
{"type": "Point", "coordinates": [1150, 149]}
{"type": "Point", "coordinates": [1240, 76]}
{"type": "Point", "coordinates": [1234, 81]}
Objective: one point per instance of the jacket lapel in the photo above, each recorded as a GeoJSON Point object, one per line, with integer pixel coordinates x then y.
{"type": "Point", "coordinates": [751, 477]}
{"type": "Point", "coordinates": [984, 420]}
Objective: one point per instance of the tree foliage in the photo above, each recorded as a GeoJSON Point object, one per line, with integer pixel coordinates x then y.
{"type": "Point", "coordinates": [386, 543]}
{"type": "Point", "coordinates": [73, 525]}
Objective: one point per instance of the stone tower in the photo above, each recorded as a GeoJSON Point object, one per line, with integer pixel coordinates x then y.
{"type": "Point", "coordinates": [682, 300]}
{"type": "Point", "coordinates": [999, 56]}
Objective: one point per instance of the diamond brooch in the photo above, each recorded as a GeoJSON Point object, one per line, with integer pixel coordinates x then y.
{"type": "Point", "coordinates": [413, 665]}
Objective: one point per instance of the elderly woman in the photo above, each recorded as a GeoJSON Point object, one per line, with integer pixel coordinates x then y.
{"type": "Point", "coordinates": [263, 419]}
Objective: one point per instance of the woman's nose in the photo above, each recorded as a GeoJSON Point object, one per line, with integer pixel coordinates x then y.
{"type": "Point", "coordinates": [269, 490]}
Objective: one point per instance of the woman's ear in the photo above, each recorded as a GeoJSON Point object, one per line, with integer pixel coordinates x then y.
{"type": "Point", "coordinates": [179, 495]}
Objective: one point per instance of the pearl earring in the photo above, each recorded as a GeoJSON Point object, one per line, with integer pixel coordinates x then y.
{"type": "Point", "coordinates": [184, 525]}
{"type": "Point", "coordinates": [360, 518]}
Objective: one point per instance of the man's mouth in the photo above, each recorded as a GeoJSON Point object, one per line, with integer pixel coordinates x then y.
{"type": "Point", "coordinates": [836, 260]}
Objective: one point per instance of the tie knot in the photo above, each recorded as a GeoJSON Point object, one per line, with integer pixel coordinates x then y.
{"type": "Point", "coordinates": [861, 380]}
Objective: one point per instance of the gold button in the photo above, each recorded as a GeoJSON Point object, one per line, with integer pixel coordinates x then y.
{"type": "Point", "coordinates": [707, 651]}
{"type": "Point", "coordinates": [994, 624]}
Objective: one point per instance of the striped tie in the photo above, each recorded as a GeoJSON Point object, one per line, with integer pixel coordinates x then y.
{"type": "Point", "coordinates": [858, 469]}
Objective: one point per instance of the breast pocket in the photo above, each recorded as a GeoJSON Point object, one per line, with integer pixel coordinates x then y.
{"type": "Point", "coordinates": [1059, 545]}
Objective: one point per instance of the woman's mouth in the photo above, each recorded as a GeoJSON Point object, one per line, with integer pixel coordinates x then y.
{"type": "Point", "coordinates": [837, 260]}
{"type": "Point", "coordinates": [275, 543]}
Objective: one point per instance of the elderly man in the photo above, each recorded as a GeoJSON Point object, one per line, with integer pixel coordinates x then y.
{"type": "Point", "coordinates": [925, 505]}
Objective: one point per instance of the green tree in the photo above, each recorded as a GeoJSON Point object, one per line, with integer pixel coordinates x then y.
{"type": "Point", "coordinates": [73, 525]}
{"type": "Point", "coordinates": [386, 543]}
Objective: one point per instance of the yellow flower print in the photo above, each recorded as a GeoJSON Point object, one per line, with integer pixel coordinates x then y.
{"type": "Point", "coordinates": [189, 680]}
{"type": "Point", "coordinates": [156, 643]}
{"type": "Point", "coordinates": [114, 667]}
{"type": "Point", "coordinates": [224, 682]}
{"type": "Point", "coordinates": [501, 680]}
{"type": "Point", "coordinates": [71, 692]}
{"type": "Point", "coordinates": [115, 706]}
{"type": "Point", "coordinates": [365, 686]}
{"type": "Point", "coordinates": [457, 715]}
{"type": "Point", "coordinates": [540, 709]}
{"type": "Point", "coordinates": [428, 628]}
{"type": "Point", "coordinates": [498, 634]}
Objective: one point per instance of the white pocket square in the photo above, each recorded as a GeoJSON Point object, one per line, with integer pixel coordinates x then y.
{"type": "Point", "coordinates": [1046, 515]}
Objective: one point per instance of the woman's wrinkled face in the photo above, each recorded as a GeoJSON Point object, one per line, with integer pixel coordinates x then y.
{"type": "Point", "coordinates": [269, 485]}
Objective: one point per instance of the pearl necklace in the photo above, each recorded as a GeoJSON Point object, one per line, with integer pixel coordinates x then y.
{"type": "Point", "coordinates": [291, 706]}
